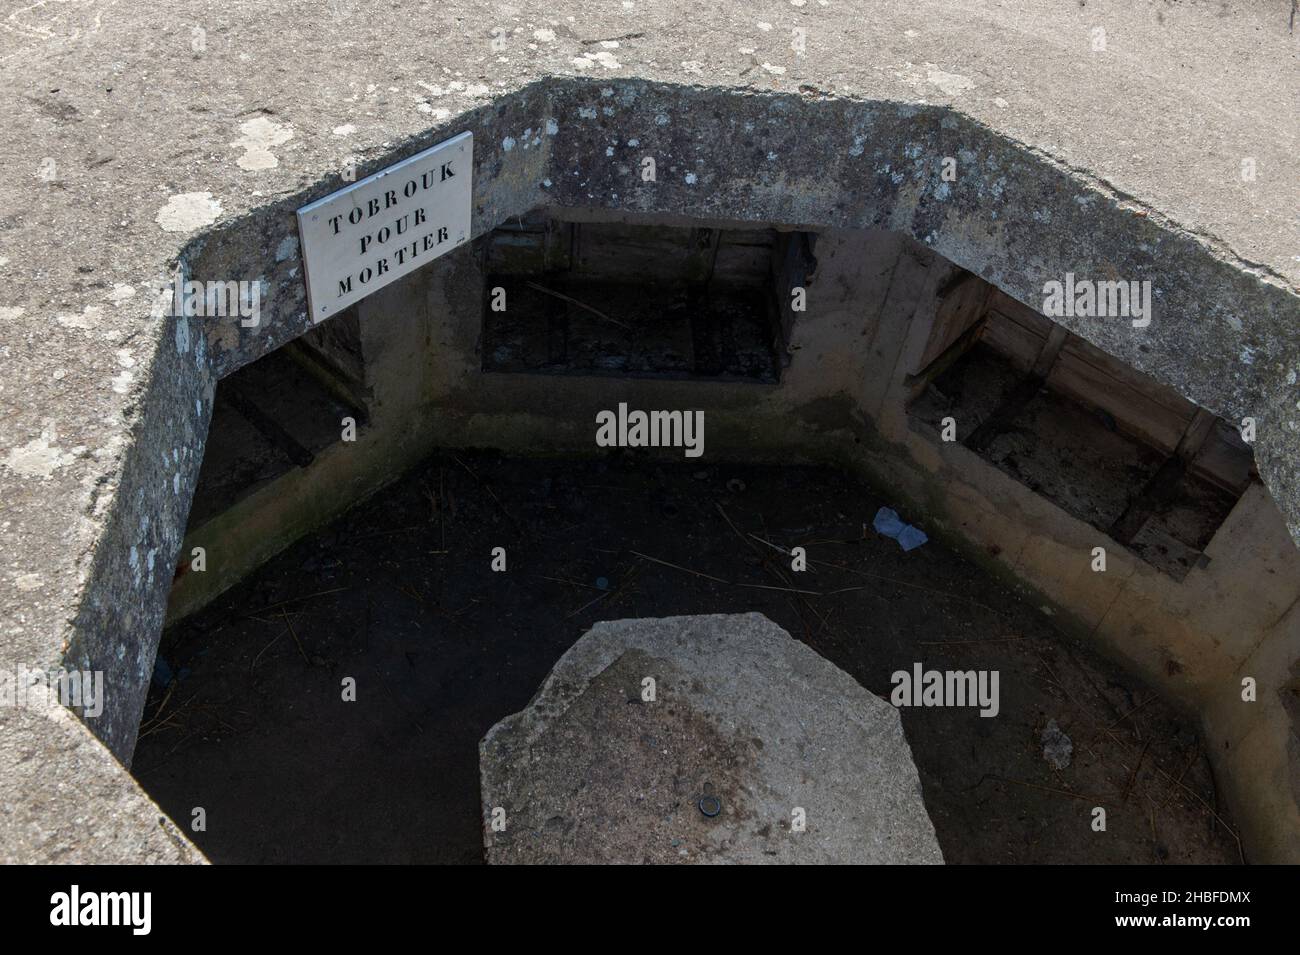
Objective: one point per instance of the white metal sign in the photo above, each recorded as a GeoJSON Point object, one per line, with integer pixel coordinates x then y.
{"type": "Point", "coordinates": [360, 238]}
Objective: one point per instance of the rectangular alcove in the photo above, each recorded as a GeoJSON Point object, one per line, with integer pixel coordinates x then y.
{"type": "Point", "coordinates": [279, 412]}
{"type": "Point", "coordinates": [1100, 439]}
{"type": "Point", "coordinates": [634, 300]}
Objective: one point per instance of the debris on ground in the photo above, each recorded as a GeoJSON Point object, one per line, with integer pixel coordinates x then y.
{"type": "Point", "coordinates": [1058, 748]}
{"type": "Point", "coordinates": [889, 524]}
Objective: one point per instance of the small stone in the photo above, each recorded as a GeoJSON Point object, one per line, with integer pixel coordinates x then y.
{"type": "Point", "coordinates": [1057, 747]}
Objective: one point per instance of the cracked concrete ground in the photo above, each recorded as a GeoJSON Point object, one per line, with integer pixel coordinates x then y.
{"type": "Point", "coordinates": [187, 132]}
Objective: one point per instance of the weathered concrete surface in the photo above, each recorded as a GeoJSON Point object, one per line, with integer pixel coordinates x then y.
{"type": "Point", "coordinates": [78, 804]}
{"type": "Point", "coordinates": [189, 131]}
{"type": "Point", "coordinates": [590, 772]}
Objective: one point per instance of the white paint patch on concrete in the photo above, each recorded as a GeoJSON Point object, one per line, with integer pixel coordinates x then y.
{"type": "Point", "coordinates": [347, 129]}
{"type": "Point", "coordinates": [602, 57]}
{"type": "Point", "coordinates": [953, 84]}
{"type": "Point", "coordinates": [188, 211]}
{"type": "Point", "coordinates": [90, 316]}
{"type": "Point", "coordinates": [774, 70]}
{"type": "Point", "coordinates": [120, 293]}
{"type": "Point", "coordinates": [10, 313]}
{"type": "Point", "coordinates": [38, 458]}
{"type": "Point", "coordinates": [260, 136]}
{"type": "Point", "coordinates": [544, 35]}
{"type": "Point", "coordinates": [30, 582]}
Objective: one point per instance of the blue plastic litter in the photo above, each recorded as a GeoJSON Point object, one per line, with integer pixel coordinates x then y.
{"type": "Point", "coordinates": [911, 538]}
{"type": "Point", "coordinates": [889, 524]}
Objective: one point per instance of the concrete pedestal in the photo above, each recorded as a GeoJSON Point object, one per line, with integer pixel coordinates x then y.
{"type": "Point", "coordinates": [701, 739]}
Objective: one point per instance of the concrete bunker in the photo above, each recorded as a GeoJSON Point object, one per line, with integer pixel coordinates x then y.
{"type": "Point", "coordinates": [1105, 455]}
{"type": "Point", "coordinates": [1202, 583]}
